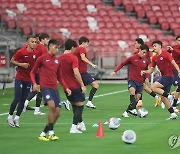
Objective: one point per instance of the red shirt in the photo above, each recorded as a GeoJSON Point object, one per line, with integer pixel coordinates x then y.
{"type": "Point", "coordinates": [24, 56]}
{"type": "Point", "coordinates": [137, 64]}
{"type": "Point", "coordinates": [48, 66]}
{"type": "Point", "coordinates": [163, 61]}
{"type": "Point", "coordinates": [67, 63]}
{"type": "Point", "coordinates": [82, 64]}
{"type": "Point", "coordinates": [148, 55]}
{"type": "Point", "coordinates": [41, 49]}
{"type": "Point", "coordinates": [176, 55]}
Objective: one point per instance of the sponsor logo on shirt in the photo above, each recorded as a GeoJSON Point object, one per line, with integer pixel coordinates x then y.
{"type": "Point", "coordinates": [144, 61]}
{"type": "Point", "coordinates": [161, 58]}
{"type": "Point", "coordinates": [47, 60]}
{"type": "Point", "coordinates": [25, 56]}
{"type": "Point", "coordinates": [56, 61]}
{"type": "Point", "coordinates": [47, 96]}
{"type": "Point", "coordinates": [34, 56]}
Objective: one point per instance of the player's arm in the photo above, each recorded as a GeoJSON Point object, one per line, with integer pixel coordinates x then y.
{"type": "Point", "coordinates": [176, 66]}
{"type": "Point", "coordinates": [37, 65]}
{"type": "Point", "coordinates": [127, 61]}
{"type": "Point", "coordinates": [83, 58]}
{"type": "Point", "coordinates": [79, 79]}
{"type": "Point", "coordinates": [149, 71]}
{"type": "Point", "coordinates": [14, 60]}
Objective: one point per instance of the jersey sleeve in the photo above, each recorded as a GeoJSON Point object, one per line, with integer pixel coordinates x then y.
{"type": "Point", "coordinates": [82, 50]}
{"type": "Point", "coordinates": [169, 57]}
{"type": "Point", "coordinates": [35, 68]}
{"type": "Point", "coordinates": [74, 62]}
{"type": "Point", "coordinates": [127, 61]}
{"type": "Point", "coordinates": [17, 55]}
{"type": "Point", "coordinates": [153, 62]}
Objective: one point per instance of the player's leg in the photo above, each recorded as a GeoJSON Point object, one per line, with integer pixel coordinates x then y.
{"type": "Point", "coordinates": [26, 86]}
{"type": "Point", "coordinates": [38, 103]}
{"type": "Point", "coordinates": [176, 96]}
{"type": "Point", "coordinates": [163, 88]}
{"type": "Point", "coordinates": [29, 97]}
{"type": "Point", "coordinates": [17, 97]}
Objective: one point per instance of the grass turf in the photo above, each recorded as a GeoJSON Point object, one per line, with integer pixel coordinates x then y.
{"type": "Point", "coordinates": [152, 132]}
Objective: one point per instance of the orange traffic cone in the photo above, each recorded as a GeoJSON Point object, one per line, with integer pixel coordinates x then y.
{"type": "Point", "coordinates": [100, 131]}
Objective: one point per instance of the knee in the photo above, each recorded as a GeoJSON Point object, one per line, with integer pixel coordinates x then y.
{"type": "Point", "coordinates": [95, 85]}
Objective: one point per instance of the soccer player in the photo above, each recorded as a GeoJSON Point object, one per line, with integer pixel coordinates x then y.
{"type": "Point", "coordinates": [138, 43]}
{"type": "Point", "coordinates": [175, 50]}
{"type": "Point", "coordinates": [137, 63]}
{"type": "Point", "coordinates": [24, 59]}
{"type": "Point", "coordinates": [86, 77]}
{"type": "Point", "coordinates": [48, 66]}
{"type": "Point", "coordinates": [164, 61]}
{"type": "Point", "coordinates": [72, 78]}
{"type": "Point", "coordinates": [43, 41]}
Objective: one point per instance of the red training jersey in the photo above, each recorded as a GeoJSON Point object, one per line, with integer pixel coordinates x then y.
{"type": "Point", "coordinates": [41, 49]}
{"type": "Point", "coordinates": [163, 61]}
{"type": "Point", "coordinates": [82, 64]}
{"type": "Point", "coordinates": [137, 64]}
{"type": "Point", "coordinates": [24, 56]}
{"type": "Point", "coordinates": [176, 55]}
{"type": "Point", "coordinates": [48, 66]}
{"type": "Point", "coordinates": [67, 63]}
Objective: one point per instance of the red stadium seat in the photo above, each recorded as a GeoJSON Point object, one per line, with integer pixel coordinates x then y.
{"type": "Point", "coordinates": [165, 26]}
{"type": "Point", "coordinates": [117, 2]}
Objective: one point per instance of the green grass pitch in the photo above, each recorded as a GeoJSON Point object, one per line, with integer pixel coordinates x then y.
{"type": "Point", "coordinates": [152, 132]}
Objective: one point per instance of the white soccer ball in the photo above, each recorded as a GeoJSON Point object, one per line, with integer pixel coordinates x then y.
{"type": "Point", "coordinates": [142, 112]}
{"type": "Point", "coordinates": [113, 123]}
{"type": "Point", "coordinates": [129, 136]}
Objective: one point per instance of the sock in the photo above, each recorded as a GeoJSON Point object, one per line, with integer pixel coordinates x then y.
{"type": "Point", "coordinates": [132, 104]}
{"type": "Point", "coordinates": [77, 110]}
{"type": "Point", "coordinates": [31, 95]}
{"type": "Point", "coordinates": [43, 134]}
{"type": "Point", "coordinates": [38, 99]}
{"type": "Point", "coordinates": [16, 117]}
{"type": "Point", "coordinates": [171, 110]}
{"type": "Point", "coordinates": [36, 109]}
{"type": "Point", "coordinates": [91, 94]}
{"type": "Point", "coordinates": [80, 110]}
{"type": "Point", "coordinates": [51, 126]}
{"type": "Point", "coordinates": [46, 129]}
{"type": "Point", "coordinates": [26, 103]}
{"type": "Point", "coordinates": [175, 103]}
{"type": "Point", "coordinates": [153, 94]}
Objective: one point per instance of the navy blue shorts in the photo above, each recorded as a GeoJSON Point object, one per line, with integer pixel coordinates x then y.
{"type": "Point", "coordinates": [87, 78]}
{"type": "Point", "coordinates": [176, 80]}
{"type": "Point", "coordinates": [167, 82]}
{"type": "Point", "coordinates": [51, 94]}
{"type": "Point", "coordinates": [76, 96]}
{"type": "Point", "coordinates": [137, 85]}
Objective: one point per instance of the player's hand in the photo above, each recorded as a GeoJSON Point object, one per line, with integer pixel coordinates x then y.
{"type": "Point", "coordinates": [112, 74]}
{"type": "Point", "coordinates": [94, 66]}
{"type": "Point", "coordinates": [143, 72]}
{"type": "Point", "coordinates": [83, 89]}
{"type": "Point", "coordinates": [170, 48]}
{"type": "Point", "coordinates": [36, 87]}
{"type": "Point", "coordinates": [68, 91]}
{"type": "Point", "coordinates": [24, 65]}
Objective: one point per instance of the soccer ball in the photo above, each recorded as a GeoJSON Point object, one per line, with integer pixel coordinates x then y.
{"type": "Point", "coordinates": [129, 136]}
{"type": "Point", "coordinates": [142, 112]}
{"type": "Point", "coordinates": [113, 123]}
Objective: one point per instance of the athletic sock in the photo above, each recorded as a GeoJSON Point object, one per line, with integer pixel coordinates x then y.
{"type": "Point", "coordinates": [38, 99]}
{"type": "Point", "coordinates": [171, 110]}
{"type": "Point", "coordinates": [175, 103]}
{"type": "Point", "coordinates": [153, 94]}
{"type": "Point", "coordinates": [92, 93]}
{"type": "Point", "coordinates": [46, 129]}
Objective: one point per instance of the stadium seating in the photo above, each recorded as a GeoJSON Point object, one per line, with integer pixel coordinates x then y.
{"type": "Point", "coordinates": [102, 24]}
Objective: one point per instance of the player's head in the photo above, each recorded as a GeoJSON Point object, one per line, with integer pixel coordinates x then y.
{"type": "Point", "coordinates": [143, 50]}
{"type": "Point", "coordinates": [138, 43]}
{"type": "Point", "coordinates": [178, 39]}
{"type": "Point", "coordinates": [84, 41]}
{"type": "Point", "coordinates": [37, 37]}
{"type": "Point", "coordinates": [44, 38]}
{"type": "Point", "coordinates": [157, 45]}
{"type": "Point", "coordinates": [53, 46]}
{"type": "Point", "coordinates": [70, 45]}
{"type": "Point", "coordinates": [31, 41]}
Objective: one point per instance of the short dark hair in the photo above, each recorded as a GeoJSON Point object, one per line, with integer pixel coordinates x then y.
{"type": "Point", "coordinates": [69, 43]}
{"type": "Point", "coordinates": [43, 36]}
{"type": "Point", "coordinates": [83, 39]}
{"type": "Point", "coordinates": [140, 41]}
{"type": "Point", "coordinates": [144, 47]}
{"type": "Point", "coordinates": [157, 42]}
{"type": "Point", "coordinates": [54, 42]}
{"type": "Point", "coordinates": [178, 37]}
{"type": "Point", "coordinates": [30, 36]}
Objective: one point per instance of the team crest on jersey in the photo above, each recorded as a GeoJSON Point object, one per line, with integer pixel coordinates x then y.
{"type": "Point", "coordinates": [56, 61]}
{"type": "Point", "coordinates": [144, 61]}
{"type": "Point", "coordinates": [47, 96]}
{"type": "Point", "coordinates": [161, 58]}
{"type": "Point", "coordinates": [34, 56]}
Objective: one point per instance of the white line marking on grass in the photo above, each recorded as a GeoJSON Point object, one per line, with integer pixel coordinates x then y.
{"type": "Point", "coordinates": [107, 94]}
